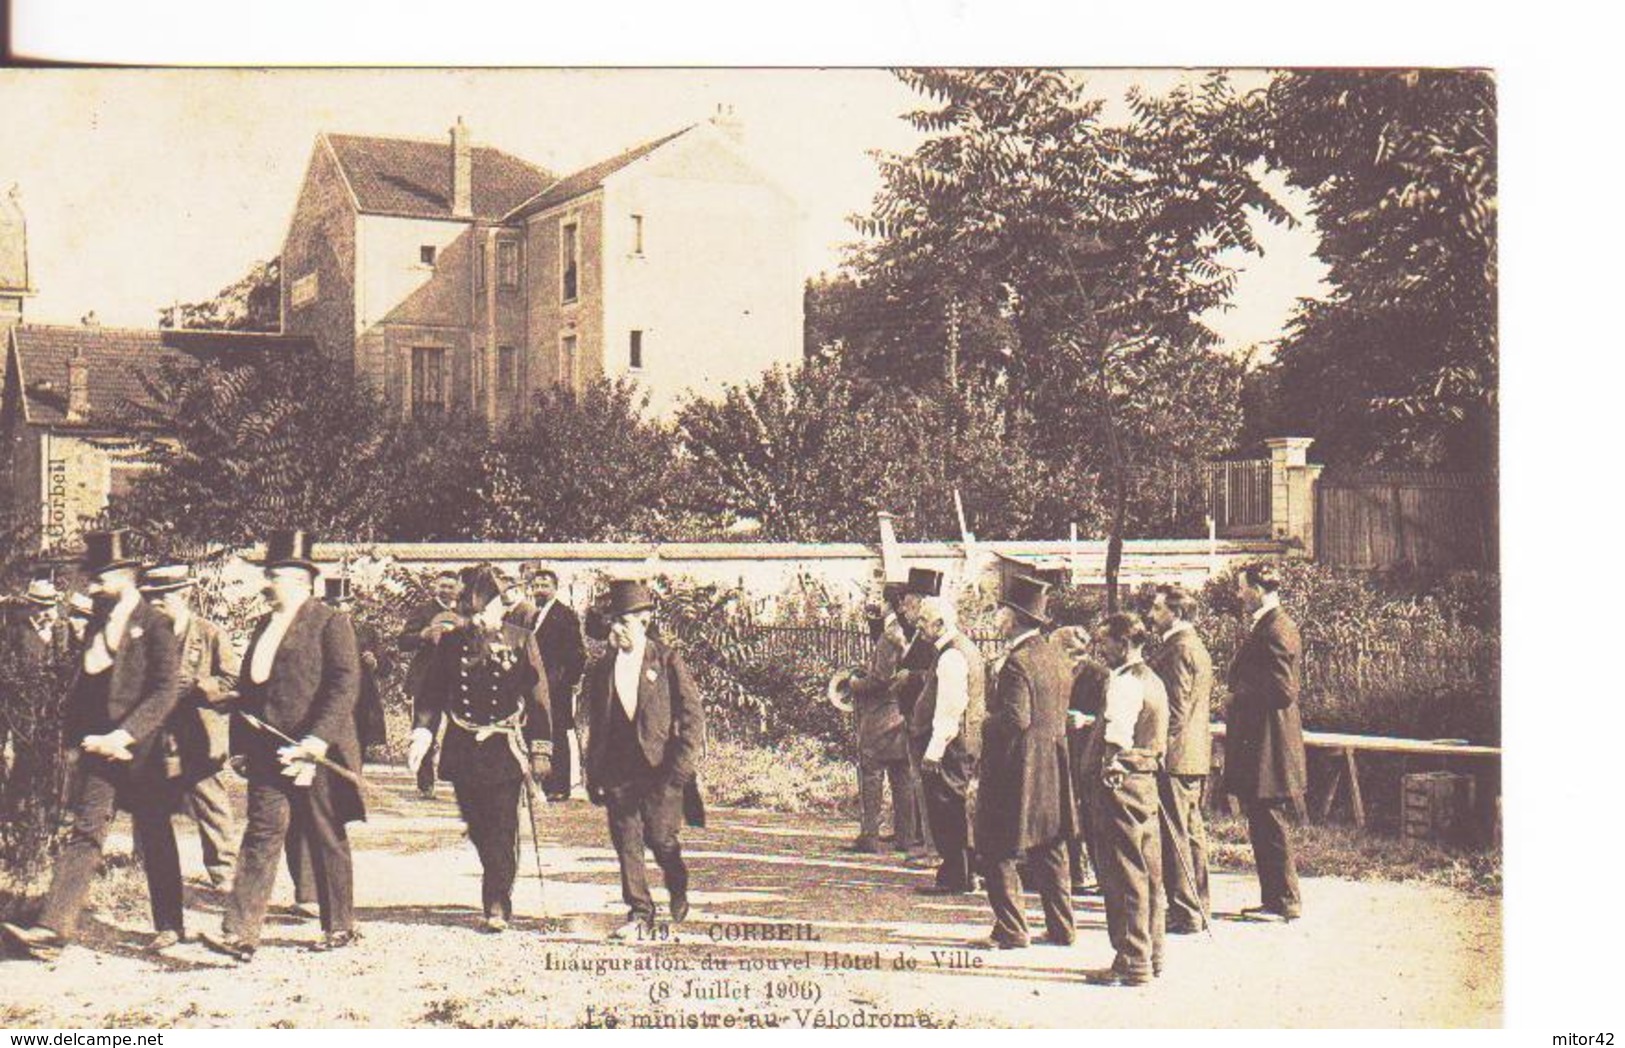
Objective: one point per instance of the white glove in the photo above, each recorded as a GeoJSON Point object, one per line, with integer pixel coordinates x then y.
{"type": "Point", "coordinates": [115, 745]}
{"type": "Point", "coordinates": [418, 748]}
{"type": "Point", "coordinates": [299, 761]}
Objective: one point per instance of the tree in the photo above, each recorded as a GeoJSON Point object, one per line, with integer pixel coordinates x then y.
{"type": "Point", "coordinates": [1085, 254]}
{"type": "Point", "coordinates": [1399, 362]}
{"type": "Point", "coordinates": [253, 303]}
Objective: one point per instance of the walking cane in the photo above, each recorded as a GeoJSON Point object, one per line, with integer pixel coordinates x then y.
{"type": "Point", "coordinates": [331, 765]}
{"type": "Point", "coordinates": [533, 799]}
{"type": "Point", "coordinates": [1185, 872]}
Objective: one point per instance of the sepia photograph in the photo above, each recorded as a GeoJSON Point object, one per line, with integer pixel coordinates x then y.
{"type": "Point", "coordinates": [742, 548]}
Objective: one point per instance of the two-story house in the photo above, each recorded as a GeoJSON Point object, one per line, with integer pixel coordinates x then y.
{"type": "Point", "coordinates": [459, 277]}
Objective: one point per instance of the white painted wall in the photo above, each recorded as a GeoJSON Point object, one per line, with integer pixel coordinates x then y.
{"type": "Point", "coordinates": [387, 268]}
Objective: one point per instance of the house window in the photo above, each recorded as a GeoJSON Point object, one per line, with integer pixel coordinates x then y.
{"type": "Point", "coordinates": [508, 264]}
{"type": "Point", "coordinates": [507, 368]}
{"type": "Point", "coordinates": [429, 382]}
{"type": "Point", "coordinates": [567, 361]}
{"type": "Point", "coordinates": [304, 291]}
{"type": "Point", "coordinates": [479, 267]}
{"type": "Point", "coordinates": [426, 254]}
{"type": "Point", "coordinates": [569, 262]}
{"type": "Point", "coordinates": [478, 378]}
{"type": "Point", "coordinates": [635, 351]}
{"type": "Point", "coordinates": [637, 234]}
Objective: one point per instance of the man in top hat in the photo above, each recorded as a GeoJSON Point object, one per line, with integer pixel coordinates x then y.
{"type": "Point", "coordinates": [1264, 763]}
{"type": "Point", "coordinates": [126, 688]}
{"type": "Point", "coordinates": [645, 742]}
{"type": "Point", "coordinates": [557, 629]}
{"type": "Point", "coordinates": [1025, 810]}
{"type": "Point", "coordinates": [1124, 755]}
{"type": "Point", "coordinates": [488, 684]}
{"type": "Point", "coordinates": [946, 734]}
{"type": "Point", "coordinates": [198, 742]}
{"type": "Point", "coordinates": [1186, 669]}
{"type": "Point", "coordinates": [426, 623]}
{"type": "Point", "coordinates": [374, 658]}
{"type": "Point", "coordinates": [913, 672]}
{"type": "Point", "coordinates": [300, 679]}
{"type": "Point", "coordinates": [882, 733]}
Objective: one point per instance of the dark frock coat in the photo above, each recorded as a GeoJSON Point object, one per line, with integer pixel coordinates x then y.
{"type": "Point", "coordinates": [1263, 746]}
{"type": "Point", "coordinates": [1026, 797]}
{"type": "Point", "coordinates": [670, 722]}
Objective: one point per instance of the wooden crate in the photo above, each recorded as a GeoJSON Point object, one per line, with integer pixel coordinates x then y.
{"type": "Point", "coordinates": [1437, 806]}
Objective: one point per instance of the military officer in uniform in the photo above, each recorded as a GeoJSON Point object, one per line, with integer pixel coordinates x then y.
{"type": "Point", "coordinates": [1025, 810]}
{"type": "Point", "coordinates": [125, 691]}
{"type": "Point", "coordinates": [882, 734]}
{"type": "Point", "coordinates": [1186, 669]}
{"type": "Point", "coordinates": [645, 742]}
{"type": "Point", "coordinates": [946, 733]}
{"type": "Point", "coordinates": [488, 684]}
{"type": "Point", "coordinates": [1264, 763]}
{"type": "Point", "coordinates": [1124, 755]}
{"type": "Point", "coordinates": [300, 678]}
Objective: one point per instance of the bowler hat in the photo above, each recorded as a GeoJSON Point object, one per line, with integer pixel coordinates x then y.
{"type": "Point", "coordinates": [336, 589]}
{"type": "Point", "coordinates": [291, 548]}
{"type": "Point", "coordinates": [927, 582]}
{"type": "Point", "coordinates": [162, 578]}
{"type": "Point", "coordinates": [629, 595]}
{"type": "Point", "coordinates": [106, 551]}
{"type": "Point", "coordinates": [42, 592]}
{"type": "Point", "coordinates": [1029, 596]}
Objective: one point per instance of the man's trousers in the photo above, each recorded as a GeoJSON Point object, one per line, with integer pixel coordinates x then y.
{"type": "Point", "coordinates": [647, 813]}
{"type": "Point", "coordinates": [97, 789]}
{"type": "Point", "coordinates": [1130, 868]}
{"type": "Point", "coordinates": [1046, 869]}
{"type": "Point", "coordinates": [872, 777]}
{"type": "Point", "coordinates": [207, 803]}
{"type": "Point", "coordinates": [1184, 849]}
{"type": "Point", "coordinates": [276, 810]}
{"type": "Point", "coordinates": [561, 775]}
{"type": "Point", "coordinates": [946, 794]}
{"type": "Point", "coordinates": [491, 810]}
{"type": "Point", "coordinates": [1272, 854]}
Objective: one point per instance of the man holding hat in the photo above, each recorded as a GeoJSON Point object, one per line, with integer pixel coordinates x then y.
{"type": "Point", "coordinates": [199, 740]}
{"type": "Point", "coordinates": [1025, 810]}
{"type": "Point", "coordinates": [882, 734]}
{"type": "Point", "coordinates": [557, 629]}
{"type": "Point", "coordinates": [645, 741]}
{"type": "Point", "coordinates": [487, 683]}
{"type": "Point", "coordinates": [300, 678]}
{"type": "Point", "coordinates": [125, 690]}
{"type": "Point", "coordinates": [425, 624]}
{"type": "Point", "coordinates": [946, 734]}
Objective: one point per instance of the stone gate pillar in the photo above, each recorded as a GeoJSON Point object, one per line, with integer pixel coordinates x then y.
{"type": "Point", "coordinates": [1292, 491]}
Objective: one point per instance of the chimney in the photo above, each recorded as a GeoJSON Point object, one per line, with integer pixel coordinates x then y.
{"type": "Point", "coordinates": [78, 386]}
{"type": "Point", "coordinates": [462, 173]}
{"type": "Point", "coordinates": [730, 125]}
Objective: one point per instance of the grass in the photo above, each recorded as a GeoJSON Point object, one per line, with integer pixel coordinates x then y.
{"type": "Point", "coordinates": [796, 777]}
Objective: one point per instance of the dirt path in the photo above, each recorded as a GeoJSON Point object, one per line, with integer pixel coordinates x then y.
{"type": "Point", "coordinates": [1368, 954]}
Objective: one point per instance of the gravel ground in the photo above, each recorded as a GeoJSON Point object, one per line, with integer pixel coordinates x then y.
{"type": "Point", "coordinates": [787, 930]}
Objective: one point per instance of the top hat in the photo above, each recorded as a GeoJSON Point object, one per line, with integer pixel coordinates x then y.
{"type": "Point", "coordinates": [107, 551]}
{"type": "Point", "coordinates": [336, 589]}
{"type": "Point", "coordinates": [893, 590]}
{"type": "Point", "coordinates": [629, 595]}
{"type": "Point", "coordinates": [481, 585]}
{"type": "Point", "coordinates": [163, 578]}
{"type": "Point", "coordinates": [925, 581]}
{"type": "Point", "coordinates": [292, 548]}
{"type": "Point", "coordinates": [42, 593]}
{"type": "Point", "coordinates": [1029, 596]}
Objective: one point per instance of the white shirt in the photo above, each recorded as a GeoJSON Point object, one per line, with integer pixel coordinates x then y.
{"type": "Point", "coordinates": [259, 670]}
{"type": "Point", "coordinates": [1124, 698]}
{"type": "Point", "coordinates": [541, 614]}
{"type": "Point", "coordinates": [953, 695]}
{"type": "Point", "coordinates": [1271, 602]}
{"type": "Point", "coordinates": [628, 665]}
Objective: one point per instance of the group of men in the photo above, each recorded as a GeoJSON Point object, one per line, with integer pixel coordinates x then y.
{"type": "Point", "coordinates": [158, 702]}
{"type": "Point", "coordinates": [1080, 745]}
{"type": "Point", "coordinates": [1011, 769]}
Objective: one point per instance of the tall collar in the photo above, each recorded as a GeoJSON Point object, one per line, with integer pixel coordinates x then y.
{"type": "Point", "coordinates": [1179, 626]}
{"type": "Point", "coordinates": [1130, 664]}
{"type": "Point", "coordinates": [1271, 602]}
{"type": "Point", "coordinates": [1021, 638]}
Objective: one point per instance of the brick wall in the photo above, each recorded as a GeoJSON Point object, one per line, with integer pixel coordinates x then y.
{"type": "Point", "coordinates": [318, 260]}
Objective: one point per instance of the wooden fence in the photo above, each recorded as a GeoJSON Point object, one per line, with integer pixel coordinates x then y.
{"type": "Point", "coordinates": [1401, 519]}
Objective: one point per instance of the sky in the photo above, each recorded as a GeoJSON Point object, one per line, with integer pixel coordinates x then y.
{"type": "Point", "coordinates": [146, 187]}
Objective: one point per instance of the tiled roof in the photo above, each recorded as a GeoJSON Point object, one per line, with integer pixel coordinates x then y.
{"type": "Point", "coordinates": [590, 178]}
{"type": "Point", "coordinates": [411, 177]}
{"type": "Point", "coordinates": [117, 360]}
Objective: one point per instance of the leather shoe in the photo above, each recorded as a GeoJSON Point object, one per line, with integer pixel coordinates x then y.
{"type": "Point", "coordinates": [229, 945]}
{"type": "Point", "coordinates": [922, 861]}
{"type": "Point", "coordinates": [1115, 977]}
{"type": "Point", "coordinates": [1270, 915]}
{"type": "Point", "coordinates": [679, 909]}
{"type": "Point", "coordinates": [308, 910]}
{"type": "Point", "coordinates": [998, 942]}
{"type": "Point", "coordinates": [164, 940]}
{"type": "Point", "coordinates": [37, 944]}
{"type": "Point", "coordinates": [494, 924]}
{"type": "Point", "coordinates": [335, 941]}
{"type": "Point", "coordinates": [1050, 940]}
{"type": "Point", "coordinates": [864, 846]}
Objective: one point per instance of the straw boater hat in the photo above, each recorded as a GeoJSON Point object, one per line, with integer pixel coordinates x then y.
{"type": "Point", "coordinates": [107, 551]}
{"type": "Point", "coordinates": [292, 548]}
{"type": "Point", "coordinates": [164, 578]}
{"type": "Point", "coordinates": [42, 593]}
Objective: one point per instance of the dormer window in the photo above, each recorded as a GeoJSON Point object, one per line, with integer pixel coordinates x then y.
{"type": "Point", "coordinates": [426, 254]}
